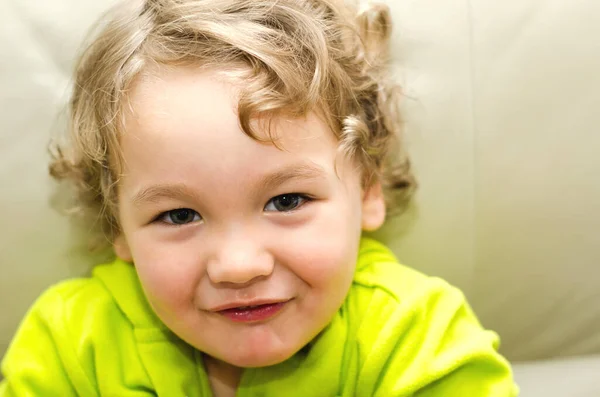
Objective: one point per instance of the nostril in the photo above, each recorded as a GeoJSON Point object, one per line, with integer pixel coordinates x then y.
{"type": "Point", "coordinates": [238, 285]}
{"type": "Point", "coordinates": [239, 262]}
{"type": "Point", "coordinates": [238, 275]}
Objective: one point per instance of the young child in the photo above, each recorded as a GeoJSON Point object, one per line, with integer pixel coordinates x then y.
{"type": "Point", "coordinates": [233, 151]}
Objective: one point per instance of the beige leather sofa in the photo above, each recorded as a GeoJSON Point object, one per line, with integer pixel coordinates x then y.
{"type": "Point", "coordinates": [502, 121]}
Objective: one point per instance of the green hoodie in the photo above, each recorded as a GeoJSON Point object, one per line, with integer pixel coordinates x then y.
{"type": "Point", "coordinates": [398, 333]}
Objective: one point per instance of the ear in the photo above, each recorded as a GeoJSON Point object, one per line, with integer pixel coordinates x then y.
{"type": "Point", "coordinates": [121, 248]}
{"type": "Point", "coordinates": [373, 208]}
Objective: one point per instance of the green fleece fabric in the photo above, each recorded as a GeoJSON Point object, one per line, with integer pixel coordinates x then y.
{"type": "Point", "coordinates": [398, 333]}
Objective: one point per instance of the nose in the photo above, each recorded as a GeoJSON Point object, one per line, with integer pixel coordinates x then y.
{"type": "Point", "coordinates": [239, 261]}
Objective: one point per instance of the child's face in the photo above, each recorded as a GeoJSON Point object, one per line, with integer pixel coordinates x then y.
{"type": "Point", "coordinates": [236, 241]}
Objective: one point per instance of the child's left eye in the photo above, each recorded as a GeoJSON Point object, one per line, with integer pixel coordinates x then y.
{"type": "Point", "coordinates": [286, 202]}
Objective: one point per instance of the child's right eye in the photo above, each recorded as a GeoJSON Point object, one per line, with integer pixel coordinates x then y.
{"type": "Point", "coordinates": [180, 216]}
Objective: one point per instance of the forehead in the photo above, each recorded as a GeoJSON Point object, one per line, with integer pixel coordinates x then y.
{"type": "Point", "coordinates": [173, 101]}
{"type": "Point", "coordinates": [184, 121]}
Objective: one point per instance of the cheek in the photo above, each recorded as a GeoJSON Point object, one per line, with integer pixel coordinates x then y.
{"type": "Point", "coordinates": [168, 273]}
{"type": "Point", "coordinates": [325, 266]}
{"type": "Point", "coordinates": [325, 253]}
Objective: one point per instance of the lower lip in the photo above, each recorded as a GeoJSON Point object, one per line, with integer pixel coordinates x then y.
{"type": "Point", "coordinates": [255, 314]}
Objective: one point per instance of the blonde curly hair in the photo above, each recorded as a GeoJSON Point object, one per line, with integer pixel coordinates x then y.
{"type": "Point", "coordinates": [297, 56]}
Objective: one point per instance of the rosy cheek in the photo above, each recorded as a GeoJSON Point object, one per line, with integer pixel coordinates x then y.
{"type": "Point", "coordinates": [324, 262]}
{"type": "Point", "coordinates": [168, 279]}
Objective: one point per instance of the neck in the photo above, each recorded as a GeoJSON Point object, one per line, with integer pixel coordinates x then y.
{"type": "Point", "coordinates": [224, 378]}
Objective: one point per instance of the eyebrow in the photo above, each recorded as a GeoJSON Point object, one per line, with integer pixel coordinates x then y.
{"type": "Point", "coordinates": [155, 193]}
{"type": "Point", "coordinates": [306, 171]}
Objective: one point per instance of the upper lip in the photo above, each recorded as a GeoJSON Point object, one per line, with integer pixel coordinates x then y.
{"type": "Point", "coordinates": [256, 302]}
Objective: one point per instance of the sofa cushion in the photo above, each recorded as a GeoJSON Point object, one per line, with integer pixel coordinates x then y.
{"type": "Point", "coordinates": [573, 377]}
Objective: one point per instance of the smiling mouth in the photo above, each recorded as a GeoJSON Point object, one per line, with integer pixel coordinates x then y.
{"type": "Point", "coordinates": [252, 314]}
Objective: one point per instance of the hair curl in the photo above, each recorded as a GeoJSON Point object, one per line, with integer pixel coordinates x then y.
{"type": "Point", "coordinates": [298, 56]}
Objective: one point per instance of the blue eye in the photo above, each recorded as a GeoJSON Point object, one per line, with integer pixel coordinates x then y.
{"type": "Point", "coordinates": [286, 202]}
{"type": "Point", "coordinates": [180, 216]}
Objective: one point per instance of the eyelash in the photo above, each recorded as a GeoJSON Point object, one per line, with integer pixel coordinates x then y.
{"type": "Point", "coordinates": [161, 218]}
{"type": "Point", "coordinates": [303, 198]}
